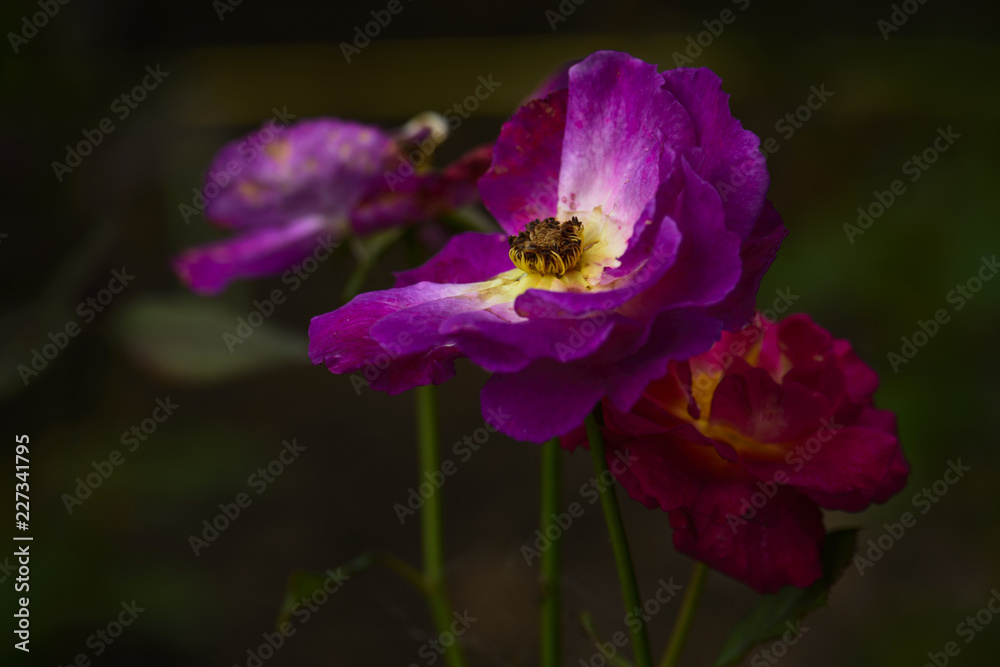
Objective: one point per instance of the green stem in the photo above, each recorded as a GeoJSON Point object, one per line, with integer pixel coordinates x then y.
{"type": "Point", "coordinates": [682, 626]}
{"type": "Point", "coordinates": [619, 542]}
{"type": "Point", "coordinates": [430, 515]}
{"type": "Point", "coordinates": [551, 616]}
{"type": "Point", "coordinates": [587, 623]}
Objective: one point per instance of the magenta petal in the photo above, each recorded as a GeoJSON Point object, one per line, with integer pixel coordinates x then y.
{"type": "Point", "coordinates": [547, 399]}
{"type": "Point", "coordinates": [208, 269]}
{"type": "Point", "coordinates": [861, 381]}
{"type": "Point", "coordinates": [841, 469]}
{"type": "Point", "coordinates": [765, 411]}
{"type": "Point", "coordinates": [727, 156]}
{"type": "Point", "coordinates": [707, 267]}
{"type": "Point", "coordinates": [778, 546]}
{"type": "Point", "coordinates": [522, 185]}
{"type": "Point", "coordinates": [466, 258]}
{"type": "Point", "coordinates": [615, 120]}
{"type": "Point", "coordinates": [662, 460]}
{"type": "Point", "coordinates": [504, 346]}
{"type": "Point", "coordinates": [756, 256]}
{"type": "Point", "coordinates": [674, 334]}
{"type": "Point", "coordinates": [342, 341]}
{"type": "Point", "coordinates": [552, 397]}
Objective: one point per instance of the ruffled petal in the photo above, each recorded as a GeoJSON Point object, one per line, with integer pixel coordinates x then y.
{"type": "Point", "coordinates": [547, 399]}
{"type": "Point", "coordinates": [860, 380]}
{"type": "Point", "coordinates": [616, 119]}
{"type": "Point", "coordinates": [342, 339]}
{"type": "Point", "coordinates": [630, 357]}
{"type": "Point", "coordinates": [840, 468]}
{"type": "Point", "coordinates": [756, 256]}
{"type": "Point", "coordinates": [779, 545]}
{"type": "Point", "coordinates": [760, 409]}
{"type": "Point", "coordinates": [523, 182]}
{"type": "Point", "coordinates": [465, 258]}
{"type": "Point", "coordinates": [708, 265]}
{"type": "Point", "coordinates": [727, 156]}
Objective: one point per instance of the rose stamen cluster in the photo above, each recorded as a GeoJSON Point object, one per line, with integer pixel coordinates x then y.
{"type": "Point", "coordinates": [548, 247]}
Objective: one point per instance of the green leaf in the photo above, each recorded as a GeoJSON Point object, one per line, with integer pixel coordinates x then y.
{"type": "Point", "coordinates": [181, 337]}
{"type": "Point", "coordinates": [769, 616]}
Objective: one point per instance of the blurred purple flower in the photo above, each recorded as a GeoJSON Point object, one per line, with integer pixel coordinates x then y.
{"type": "Point", "coordinates": [287, 190]}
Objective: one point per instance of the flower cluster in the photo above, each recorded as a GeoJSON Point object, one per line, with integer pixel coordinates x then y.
{"type": "Point", "coordinates": [624, 276]}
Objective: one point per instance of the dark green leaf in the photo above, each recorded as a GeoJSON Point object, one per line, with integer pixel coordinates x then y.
{"type": "Point", "coordinates": [769, 616]}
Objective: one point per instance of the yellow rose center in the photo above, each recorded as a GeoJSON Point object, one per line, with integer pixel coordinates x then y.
{"type": "Point", "coordinates": [548, 247]}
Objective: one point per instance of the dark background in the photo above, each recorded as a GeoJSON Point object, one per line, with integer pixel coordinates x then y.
{"type": "Point", "coordinates": [119, 208]}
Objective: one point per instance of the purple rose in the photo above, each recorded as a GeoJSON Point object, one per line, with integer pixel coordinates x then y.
{"type": "Point", "coordinates": [636, 230]}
